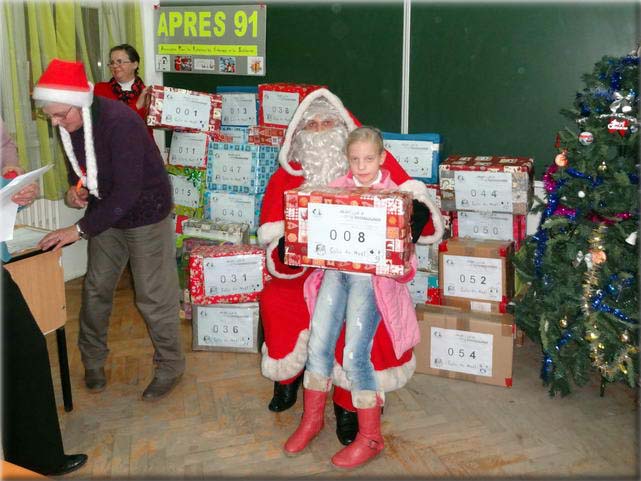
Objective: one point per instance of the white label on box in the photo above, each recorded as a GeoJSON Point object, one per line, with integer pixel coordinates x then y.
{"type": "Point", "coordinates": [418, 287]}
{"type": "Point", "coordinates": [461, 351]}
{"type": "Point", "coordinates": [232, 167]}
{"type": "Point", "coordinates": [239, 109]}
{"type": "Point", "coordinates": [188, 149]}
{"type": "Point", "coordinates": [225, 326]}
{"type": "Point", "coordinates": [488, 191]}
{"type": "Point", "coordinates": [480, 306]}
{"type": "Point", "coordinates": [185, 193]}
{"type": "Point", "coordinates": [414, 155]}
{"type": "Point", "coordinates": [186, 110]}
{"type": "Point", "coordinates": [232, 208]}
{"type": "Point", "coordinates": [279, 107]}
{"type": "Point", "coordinates": [346, 233]}
{"type": "Point", "coordinates": [239, 274]}
{"type": "Point", "coordinates": [486, 225]}
{"type": "Point", "coordinates": [473, 277]}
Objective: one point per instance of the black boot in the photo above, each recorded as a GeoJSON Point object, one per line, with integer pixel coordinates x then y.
{"type": "Point", "coordinates": [284, 395]}
{"type": "Point", "coordinates": [70, 463]}
{"type": "Point", "coordinates": [346, 425]}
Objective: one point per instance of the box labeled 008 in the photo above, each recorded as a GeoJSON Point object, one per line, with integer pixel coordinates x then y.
{"type": "Point", "coordinates": [227, 327]}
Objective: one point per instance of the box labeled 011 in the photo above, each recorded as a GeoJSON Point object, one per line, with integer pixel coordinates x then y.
{"type": "Point", "coordinates": [226, 327]}
{"type": "Point", "coordinates": [475, 274]}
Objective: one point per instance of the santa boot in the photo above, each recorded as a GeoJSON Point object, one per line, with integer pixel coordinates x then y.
{"type": "Point", "coordinates": [313, 418]}
{"type": "Point", "coordinates": [368, 442]}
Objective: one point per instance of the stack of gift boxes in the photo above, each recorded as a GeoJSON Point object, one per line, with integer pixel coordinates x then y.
{"type": "Point", "coordinates": [470, 335]}
{"type": "Point", "coordinates": [224, 148]}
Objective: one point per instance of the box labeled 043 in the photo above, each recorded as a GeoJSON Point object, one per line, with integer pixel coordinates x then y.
{"type": "Point", "coordinates": [476, 275]}
{"type": "Point", "coordinates": [227, 327]}
{"type": "Point", "coordinates": [471, 346]}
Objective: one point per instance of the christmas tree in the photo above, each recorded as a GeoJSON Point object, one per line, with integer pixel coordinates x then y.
{"type": "Point", "coordinates": [580, 291]}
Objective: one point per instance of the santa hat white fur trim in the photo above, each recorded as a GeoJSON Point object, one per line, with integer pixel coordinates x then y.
{"type": "Point", "coordinates": [419, 191]}
{"type": "Point", "coordinates": [283, 155]}
{"type": "Point", "coordinates": [90, 180]}
{"type": "Point", "coordinates": [288, 366]}
{"type": "Point", "coordinates": [77, 98]}
{"type": "Point", "coordinates": [270, 231]}
{"type": "Point", "coordinates": [271, 266]}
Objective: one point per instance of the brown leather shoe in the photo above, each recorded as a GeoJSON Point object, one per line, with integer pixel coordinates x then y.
{"type": "Point", "coordinates": [95, 379]}
{"type": "Point", "coordinates": [160, 387]}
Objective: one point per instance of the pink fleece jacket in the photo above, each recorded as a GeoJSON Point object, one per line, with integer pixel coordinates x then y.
{"type": "Point", "coordinates": [392, 296]}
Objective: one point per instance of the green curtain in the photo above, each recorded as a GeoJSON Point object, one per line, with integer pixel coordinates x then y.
{"type": "Point", "coordinates": [34, 32]}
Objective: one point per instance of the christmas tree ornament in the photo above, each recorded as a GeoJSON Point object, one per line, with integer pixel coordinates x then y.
{"type": "Point", "coordinates": [581, 194]}
{"type": "Point", "coordinates": [620, 126]}
{"type": "Point", "coordinates": [586, 138]}
{"type": "Point", "coordinates": [634, 128]}
{"type": "Point", "coordinates": [632, 238]}
{"type": "Point", "coordinates": [598, 256]}
{"type": "Point", "coordinates": [621, 102]}
{"type": "Point", "coordinates": [603, 166]}
{"type": "Point", "coordinates": [625, 337]}
{"type": "Point", "coordinates": [563, 323]}
{"type": "Point", "coordinates": [561, 160]}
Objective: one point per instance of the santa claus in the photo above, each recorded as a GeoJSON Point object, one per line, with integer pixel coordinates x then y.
{"type": "Point", "coordinates": [313, 154]}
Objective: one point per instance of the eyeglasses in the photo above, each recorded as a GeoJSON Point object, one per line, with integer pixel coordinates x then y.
{"type": "Point", "coordinates": [57, 116]}
{"type": "Point", "coordinates": [118, 63]}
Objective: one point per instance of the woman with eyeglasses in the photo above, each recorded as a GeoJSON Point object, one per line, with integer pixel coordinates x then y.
{"type": "Point", "coordinates": [125, 84]}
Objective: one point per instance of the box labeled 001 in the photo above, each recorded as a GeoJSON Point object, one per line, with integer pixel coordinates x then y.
{"type": "Point", "coordinates": [476, 274]}
{"type": "Point", "coordinates": [174, 108]}
{"type": "Point", "coordinates": [226, 327]}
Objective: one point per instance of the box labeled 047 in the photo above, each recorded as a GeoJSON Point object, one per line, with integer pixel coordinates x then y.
{"type": "Point", "coordinates": [227, 327]}
{"type": "Point", "coordinates": [471, 346]}
{"type": "Point", "coordinates": [476, 274]}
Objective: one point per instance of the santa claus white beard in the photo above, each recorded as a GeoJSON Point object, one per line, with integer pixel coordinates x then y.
{"type": "Point", "coordinates": [321, 154]}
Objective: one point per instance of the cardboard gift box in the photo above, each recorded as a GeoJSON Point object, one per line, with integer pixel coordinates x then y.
{"type": "Point", "coordinates": [263, 135]}
{"type": "Point", "coordinates": [349, 229]}
{"type": "Point", "coordinates": [227, 232]}
{"type": "Point", "coordinates": [233, 207]}
{"type": "Point", "coordinates": [226, 274]}
{"type": "Point", "coordinates": [243, 168]}
{"type": "Point", "coordinates": [189, 149]}
{"type": "Point", "coordinates": [490, 226]}
{"type": "Point", "coordinates": [188, 186]}
{"type": "Point", "coordinates": [239, 108]}
{"type": "Point", "coordinates": [227, 327]}
{"type": "Point", "coordinates": [475, 274]}
{"type": "Point", "coordinates": [471, 346]}
{"type": "Point", "coordinates": [174, 108]}
{"type": "Point", "coordinates": [494, 184]}
{"type": "Point", "coordinates": [421, 285]}
{"type": "Point", "coordinates": [418, 154]}
{"type": "Point", "coordinates": [278, 102]}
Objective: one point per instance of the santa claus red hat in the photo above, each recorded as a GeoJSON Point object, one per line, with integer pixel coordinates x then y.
{"type": "Point", "coordinates": [65, 82]}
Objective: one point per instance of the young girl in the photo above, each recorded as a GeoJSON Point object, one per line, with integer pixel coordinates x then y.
{"type": "Point", "coordinates": [361, 301]}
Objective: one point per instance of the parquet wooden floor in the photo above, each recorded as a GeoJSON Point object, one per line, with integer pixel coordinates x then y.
{"type": "Point", "coordinates": [216, 423]}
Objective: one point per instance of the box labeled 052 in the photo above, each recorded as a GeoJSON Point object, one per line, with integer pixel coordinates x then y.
{"type": "Point", "coordinates": [475, 274]}
{"type": "Point", "coordinates": [227, 327]}
{"type": "Point", "coordinates": [471, 346]}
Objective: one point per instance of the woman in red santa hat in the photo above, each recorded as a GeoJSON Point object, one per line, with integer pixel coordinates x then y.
{"type": "Point", "coordinates": [313, 153]}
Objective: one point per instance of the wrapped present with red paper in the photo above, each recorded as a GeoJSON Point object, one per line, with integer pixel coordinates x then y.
{"type": "Point", "coordinates": [349, 229]}
{"type": "Point", "coordinates": [174, 108]}
{"type": "Point", "coordinates": [278, 102]}
{"type": "Point", "coordinates": [226, 274]}
{"type": "Point", "coordinates": [264, 135]}
{"type": "Point", "coordinates": [486, 183]}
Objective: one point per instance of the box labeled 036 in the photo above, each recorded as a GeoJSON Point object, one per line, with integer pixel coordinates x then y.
{"type": "Point", "coordinates": [227, 327]}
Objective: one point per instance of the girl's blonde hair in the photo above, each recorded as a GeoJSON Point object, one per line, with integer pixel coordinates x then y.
{"type": "Point", "coordinates": [365, 134]}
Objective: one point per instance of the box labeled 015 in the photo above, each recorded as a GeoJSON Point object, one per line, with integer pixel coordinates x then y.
{"type": "Point", "coordinates": [227, 327]}
{"type": "Point", "coordinates": [475, 274]}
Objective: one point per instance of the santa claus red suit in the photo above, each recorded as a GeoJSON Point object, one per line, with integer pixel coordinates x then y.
{"type": "Point", "coordinates": [283, 310]}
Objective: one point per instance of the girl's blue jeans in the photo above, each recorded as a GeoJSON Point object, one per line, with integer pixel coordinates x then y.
{"type": "Point", "coordinates": [348, 298]}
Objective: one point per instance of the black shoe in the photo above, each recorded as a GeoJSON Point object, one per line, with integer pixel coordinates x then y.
{"type": "Point", "coordinates": [70, 464]}
{"type": "Point", "coordinates": [95, 379]}
{"type": "Point", "coordinates": [284, 395]}
{"type": "Point", "coordinates": [160, 387]}
{"type": "Point", "coordinates": [346, 425]}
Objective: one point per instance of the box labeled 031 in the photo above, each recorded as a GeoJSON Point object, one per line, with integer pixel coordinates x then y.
{"type": "Point", "coordinates": [227, 327]}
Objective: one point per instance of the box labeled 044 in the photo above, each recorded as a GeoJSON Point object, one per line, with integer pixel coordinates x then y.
{"type": "Point", "coordinates": [476, 275]}
{"type": "Point", "coordinates": [349, 229]}
{"type": "Point", "coordinates": [226, 327]}
{"type": "Point", "coordinates": [471, 346]}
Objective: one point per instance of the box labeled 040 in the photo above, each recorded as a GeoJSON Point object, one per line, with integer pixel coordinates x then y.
{"type": "Point", "coordinates": [476, 275]}
{"type": "Point", "coordinates": [471, 346]}
{"type": "Point", "coordinates": [227, 327]}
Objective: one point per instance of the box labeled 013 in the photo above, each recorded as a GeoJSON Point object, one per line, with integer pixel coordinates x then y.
{"type": "Point", "coordinates": [226, 327]}
{"type": "Point", "coordinates": [476, 275]}
{"type": "Point", "coordinates": [471, 346]}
